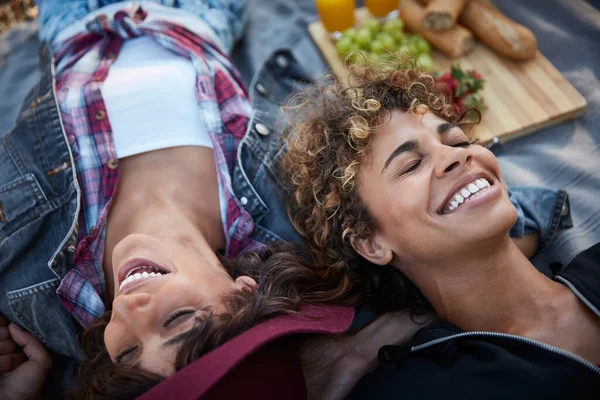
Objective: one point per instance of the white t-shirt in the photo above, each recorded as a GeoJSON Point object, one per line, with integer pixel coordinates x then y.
{"type": "Point", "coordinates": [150, 99]}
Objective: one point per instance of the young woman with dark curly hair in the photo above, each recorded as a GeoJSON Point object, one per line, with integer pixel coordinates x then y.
{"type": "Point", "coordinates": [385, 176]}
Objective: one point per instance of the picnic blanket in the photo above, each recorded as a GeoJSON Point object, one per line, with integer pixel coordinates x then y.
{"type": "Point", "coordinates": [564, 156]}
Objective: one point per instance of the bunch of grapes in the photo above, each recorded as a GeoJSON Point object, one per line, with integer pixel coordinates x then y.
{"type": "Point", "coordinates": [379, 41]}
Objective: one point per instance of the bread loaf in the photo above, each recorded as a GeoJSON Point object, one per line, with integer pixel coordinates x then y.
{"type": "Point", "coordinates": [496, 30]}
{"type": "Point", "coordinates": [443, 14]}
{"type": "Point", "coordinates": [454, 42]}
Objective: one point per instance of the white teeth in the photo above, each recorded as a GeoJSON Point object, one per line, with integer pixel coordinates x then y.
{"type": "Point", "coordinates": [137, 276]}
{"type": "Point", "coordinates": [472, 189]}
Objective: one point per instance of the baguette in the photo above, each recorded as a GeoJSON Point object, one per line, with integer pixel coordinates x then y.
{"type": "Point", "coordinates": [442, 14]}
{"type": "Point", "coordinates": [454, 42]}
{"type": "Point", "coordinates": [496, 30]}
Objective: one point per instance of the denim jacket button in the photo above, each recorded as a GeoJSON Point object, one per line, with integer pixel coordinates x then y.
{"type": "Point", "coordinates": [261, 89]}
{"type": "Point", "coordinates": [281, 61]}
{"type": "Point", "coordinates": [565, 210]}
{"type": "Point", "coordinates": [260, 128]}
{"type": "Point", "coordinates": [244, 201]}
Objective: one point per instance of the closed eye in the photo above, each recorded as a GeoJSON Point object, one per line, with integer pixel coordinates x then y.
{"type": "Point", "coordinates": [462, 144]}
{"type": "Point", "coordinates": [176, 315]}
{"type": "Point", "coordinates": [122, 354]}
{"type": "Point", "coordinates": [412, 167]}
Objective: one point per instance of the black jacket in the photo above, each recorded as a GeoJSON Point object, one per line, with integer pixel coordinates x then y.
{"type": "Point", "coordinates": [444, 362]}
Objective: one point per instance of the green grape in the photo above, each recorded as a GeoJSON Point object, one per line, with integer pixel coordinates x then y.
{"type": "Point", "coordinates": [377, 47]}
{"type": "Point", "coordinates": [388, 56]}
{"type": "Point", "coordinates": [403, 49]}
{"type": "Point", "coordinates": [412, 48]}
{"type": "Point", "coordinates": [373, 58]}
{"type": "Point", "coordinates": [398, 37]}
{"type": "Point", "coordinates": [350, 33]}
{"type": "Point", "coordinates": [422, 45]}
{"type": "Point", "coordinates": [344, 46]}
{"type": "Point", "coordinates": [393, 25]}
{"type": "Point", "coordinates": [363, 38]}
{"type": "Point", "coordinates": [357, 58]}
{"type": "Point", "coordinates": [386, 40]}
{"type": "Point", "coordinates": [373, 25]}
{"type": "Point", "coordinates": [425, 61]}
{"type": "Point", "coordinates": [408, 37]}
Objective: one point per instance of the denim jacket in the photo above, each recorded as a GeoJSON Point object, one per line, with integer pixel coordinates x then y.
{"type": "Point", "coordinates": [40, 198]}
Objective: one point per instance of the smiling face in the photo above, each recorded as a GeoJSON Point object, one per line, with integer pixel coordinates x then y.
{"type": "Point", "coordinates": [161, 286]}
{"type": "Point", "coordinates": [433, 195]}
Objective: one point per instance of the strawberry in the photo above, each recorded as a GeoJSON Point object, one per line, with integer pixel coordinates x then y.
{"type": "Point", "coordinates": [450, 81]}
{"type": "Point", "coordinates": [463, 87]}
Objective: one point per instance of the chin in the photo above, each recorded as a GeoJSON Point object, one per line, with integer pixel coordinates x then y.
{"type": "Point", "coordinates": [497, 222]}
{"type": "Point", "coordinates": [501, 219]}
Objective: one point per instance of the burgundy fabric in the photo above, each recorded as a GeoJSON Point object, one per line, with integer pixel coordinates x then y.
{"type": "Point", "coordinates": [272, 373]}
{"type": "Point", "coordinates": [272, 364]}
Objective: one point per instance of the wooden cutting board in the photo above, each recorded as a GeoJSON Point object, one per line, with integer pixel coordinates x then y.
{"type": "Point", "coordinates": [522, 97]}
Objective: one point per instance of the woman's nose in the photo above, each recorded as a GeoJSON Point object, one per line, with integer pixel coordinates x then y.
{"type": "Point", "coordinates": [133, 308]}
{"type": "Point", "coordinates": [452, 159]}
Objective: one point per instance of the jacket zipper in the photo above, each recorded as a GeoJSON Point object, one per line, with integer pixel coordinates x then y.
{"type": "Point", "coordinates": [578, 294]}
{"type": "Point", "coordinates": [541, 345]}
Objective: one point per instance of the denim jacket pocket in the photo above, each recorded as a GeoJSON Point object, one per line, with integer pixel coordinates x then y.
{"type": "Point", "coordinates": [18, 200]}
{"type": "Point", "coordinates": [36, 309]}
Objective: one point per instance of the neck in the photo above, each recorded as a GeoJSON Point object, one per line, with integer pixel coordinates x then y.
{"type": "Point", "coordinates": [332, 365]}
{"type": "Point", "coordinates": [167, 193]}
{"type": "Point", "coordinates": [495, 289]}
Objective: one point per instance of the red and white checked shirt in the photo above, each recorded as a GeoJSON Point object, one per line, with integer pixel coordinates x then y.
{"type": "Point", "coordinates": [83, 62]}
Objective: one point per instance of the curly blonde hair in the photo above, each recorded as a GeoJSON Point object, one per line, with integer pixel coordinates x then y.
{"type": "Point", "coordinates": [328, 135]}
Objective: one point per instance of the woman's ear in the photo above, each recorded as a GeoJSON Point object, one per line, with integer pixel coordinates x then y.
{"type": "Point", "coordinates": [246, 284]}
{"type": "Point", "coordinates": [372, 250]}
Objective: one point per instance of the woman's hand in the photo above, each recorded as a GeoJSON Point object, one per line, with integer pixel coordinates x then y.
{"type": "Point", "coordinates": [24, 363]}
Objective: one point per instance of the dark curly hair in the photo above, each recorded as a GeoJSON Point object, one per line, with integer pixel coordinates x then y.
{"type": "Point", "coordinates": [285, 282]}
{"type": "Point", "coordinates": [328, 135]}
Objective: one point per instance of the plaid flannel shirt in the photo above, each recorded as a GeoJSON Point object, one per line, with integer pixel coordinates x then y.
{"type": "Point", "coordinates": [83, 62]}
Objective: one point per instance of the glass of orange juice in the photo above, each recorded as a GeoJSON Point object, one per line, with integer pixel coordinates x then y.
{"type": "Point", "coordinates": [336, 15]}
{"type": "Point", "coordinates": [382, 8]}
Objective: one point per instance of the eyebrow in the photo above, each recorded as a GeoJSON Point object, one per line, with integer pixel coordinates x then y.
{"type": "Point", "coordinates": [445, 127]}
{"type": "Point", "coordinates": [177, 338]}
{"type": "Point", "coordinates": [403, 148]}
{"type": "Point", "coordinates": [174, 340]}
{"type": "Point", "coordinates": [411, 145]}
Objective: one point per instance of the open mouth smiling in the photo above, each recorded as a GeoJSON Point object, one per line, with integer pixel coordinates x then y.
{"type": "Point", "coordinates": [137, 271]}
{"type": "Point", "coordinates": [467, 191]}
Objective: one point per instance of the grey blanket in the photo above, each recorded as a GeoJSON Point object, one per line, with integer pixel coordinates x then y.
{"type": "Point", "coordinates": [565, 156]}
